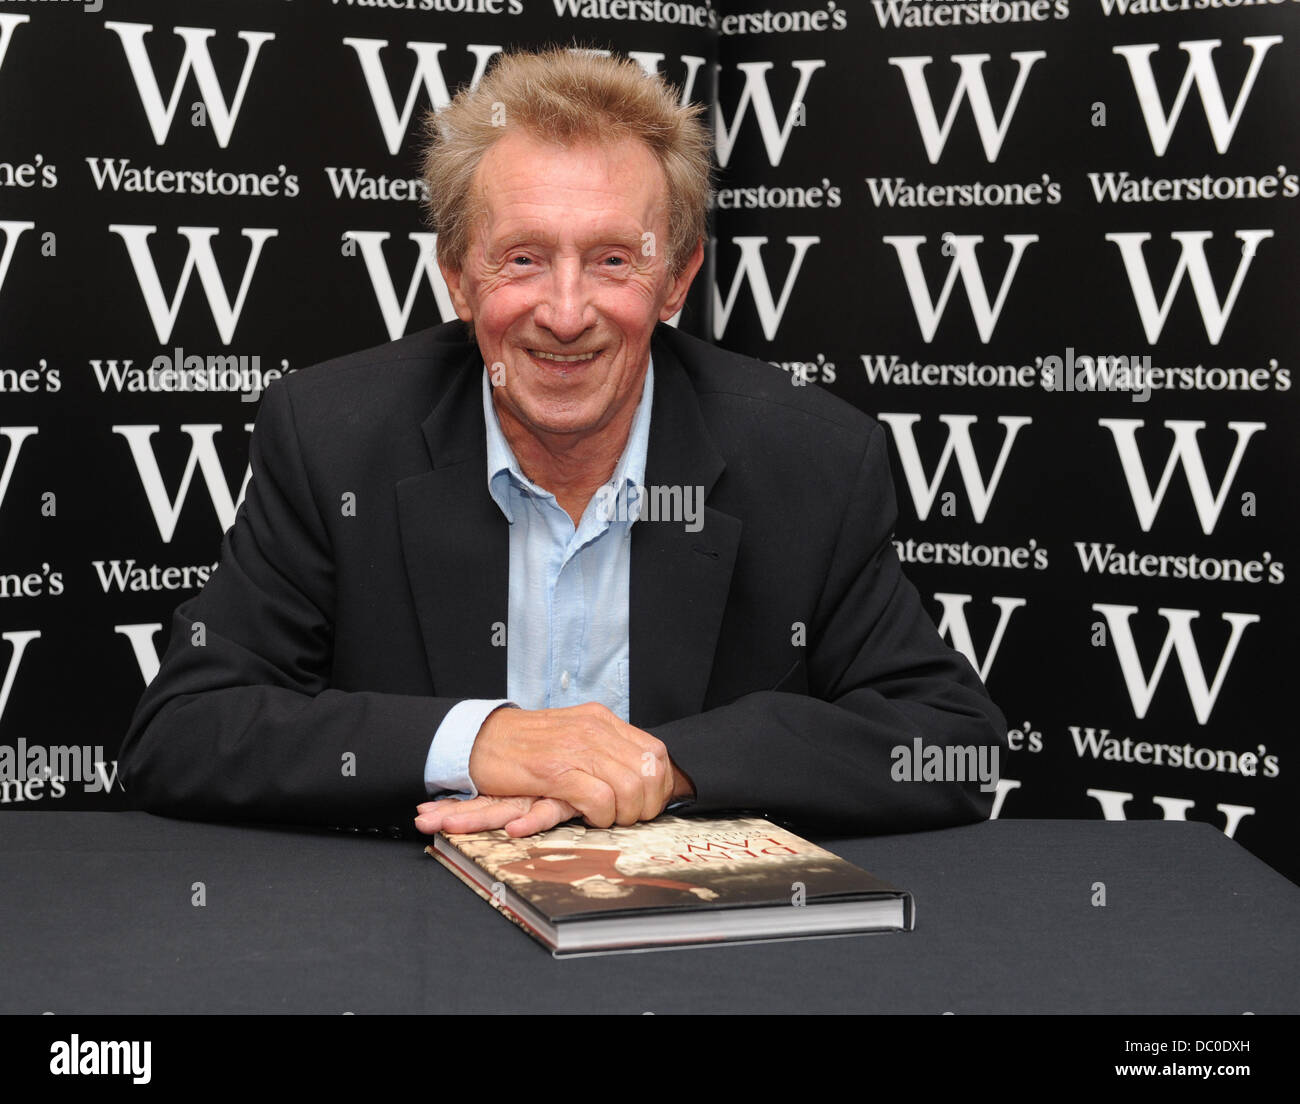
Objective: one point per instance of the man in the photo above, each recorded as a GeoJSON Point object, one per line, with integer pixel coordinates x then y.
{"type": "Point", "coordinates": [444, 579]}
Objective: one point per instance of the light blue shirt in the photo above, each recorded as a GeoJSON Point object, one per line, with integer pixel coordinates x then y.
{"type": "Point", "coordinates": [567, 633]}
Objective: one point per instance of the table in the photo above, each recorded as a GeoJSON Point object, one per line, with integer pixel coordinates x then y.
{"type": "Point", "coordinates": [97, 915]}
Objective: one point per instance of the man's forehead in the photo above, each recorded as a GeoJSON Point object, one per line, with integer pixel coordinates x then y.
{"type": "Point", "coordinates": [524, 177]}
{"type": "Point", "coordinates": [503, 227]}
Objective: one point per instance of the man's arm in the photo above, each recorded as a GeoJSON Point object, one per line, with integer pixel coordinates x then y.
{"type": "Point", "coordinates": [876, 676]}
{"type": "Point", "coordinates": [240, 721]}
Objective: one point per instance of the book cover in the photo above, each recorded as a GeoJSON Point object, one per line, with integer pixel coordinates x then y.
{"type": "Point", "coordinates": [572, 874]}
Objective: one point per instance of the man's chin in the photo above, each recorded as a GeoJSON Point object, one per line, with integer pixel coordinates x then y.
{"type": "Point", "coordinates": [566, 423]}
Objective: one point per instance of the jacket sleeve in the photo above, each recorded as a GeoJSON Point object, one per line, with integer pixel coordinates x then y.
{"type": "Point", "coordinates": [819, 750]}
{"type": "Point", "coordinates": [240, 722]}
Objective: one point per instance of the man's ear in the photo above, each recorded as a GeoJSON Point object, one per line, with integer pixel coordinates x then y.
{"type": "Point", "coordinates": [452, 278]}
{"type": "Point", "coordinates": [682, 284]}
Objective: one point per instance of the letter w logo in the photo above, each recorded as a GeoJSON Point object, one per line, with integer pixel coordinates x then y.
{"type": "Point", "coordinates": [751, 270]}
{"type": "Point", "coordinates": [397, 315]}
{"type": "Point", "coordinates": [203, 455]}
{"type": "Point", "coordinates": [12, 231]}
{"type": "Point", "coordinates": [8, 24]}
{"type": "Point", "coordinates": [925, 490]}
{"type": "Point", "coordinates": [143, 647]}
{"type": "Point", "coordinates": [15, 435]}
{"type": "Point", "coordinates": [1187, 451]}
{"type": "Point", "coordinates": [199, 257]}
{"type": "Point", "coordinates": [970, 85]}
{"type": "Point", "coordinates": [1178, 639]}
{"type": "Point", "coordinates": [756, 92]}
{"type": "Point", "coordinates": [18, 639]}
{"type": "Point", "coordinates": [1201, 72]}
{"type": "Point", "coordinates": [1214, 315]}
{"type": "Point", "coordinates": [953, 626]}
{"type": "Point", "coordinates": [428, 75]}
{"type": "Point", "coordinates": [196, 59]}
{"type": "Point", "coordinates": [928, 313]}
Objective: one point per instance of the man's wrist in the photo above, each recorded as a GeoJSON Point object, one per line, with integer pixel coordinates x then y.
{"type": "Point", "coordinates": [447, 765]}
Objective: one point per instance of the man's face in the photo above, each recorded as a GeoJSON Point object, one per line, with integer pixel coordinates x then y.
{"type": "Point", "coordinates": [565, 278]}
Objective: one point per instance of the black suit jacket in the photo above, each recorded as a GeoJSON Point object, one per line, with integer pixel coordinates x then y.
{"type": "Point", "coordinates": [778, 652]}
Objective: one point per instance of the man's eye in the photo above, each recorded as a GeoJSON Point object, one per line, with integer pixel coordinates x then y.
{"type": "Point", "coordinates": [617, 261]}
{"type": "Point", "coordinates": [521, 259]}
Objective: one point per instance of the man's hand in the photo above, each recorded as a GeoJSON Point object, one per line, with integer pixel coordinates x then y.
{"type": "Point", "coordinates": [519, 816]}
{"type": "Point", "coordinates": [584, 757]}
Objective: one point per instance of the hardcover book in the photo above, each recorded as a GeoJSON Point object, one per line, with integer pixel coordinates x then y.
{"type": "Point", "coordinates": [673, 881]}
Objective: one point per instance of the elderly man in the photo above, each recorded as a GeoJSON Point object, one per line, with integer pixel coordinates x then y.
{"type": "Point", "coordinates": [452, 576]}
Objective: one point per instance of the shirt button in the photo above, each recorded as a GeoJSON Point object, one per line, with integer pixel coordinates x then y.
{"type": "Point", "coordinates": [564, 680]}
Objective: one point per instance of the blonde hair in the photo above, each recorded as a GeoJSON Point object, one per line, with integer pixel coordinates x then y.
{"type": "Point", "coordinates": [568, 97]}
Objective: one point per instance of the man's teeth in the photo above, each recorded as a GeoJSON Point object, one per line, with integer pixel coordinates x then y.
{"type": "Point", "coordinates": [562, 359]}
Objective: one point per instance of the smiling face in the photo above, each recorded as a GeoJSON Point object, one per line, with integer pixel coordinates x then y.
{"type": "Point", "coordinates": [564, 285]}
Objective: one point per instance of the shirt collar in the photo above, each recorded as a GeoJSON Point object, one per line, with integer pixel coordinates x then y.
{"type": "Point", "coordinates": [503, 467]}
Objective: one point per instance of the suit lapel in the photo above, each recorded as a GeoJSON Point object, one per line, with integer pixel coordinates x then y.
{"type": "Point", "coordinates": [457, 543]}
{"type": "Point", "coordinates": [679, 580]}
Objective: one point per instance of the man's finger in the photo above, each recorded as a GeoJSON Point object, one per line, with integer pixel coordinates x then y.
{"type": "Point", "coordinates": [482, 821]}
{"type": "Point", "coordinates": [430, 814]}
{"type": "Point", "coordinates": [442, 803]}
{"type": "Point", "coordinates": [451, 814]}
{"type": "Point", "coordinates": [630, 759]}
{"type": "Point", "coordinates": [642, 785]}
{"type": "Point", "coordinates": [629, 788]}
{"type": "Point", "coordinates": [496, 815]}
{"type": "Point", "coordinates": [545, 813]}
{"type": "Point", "coordinates": [591, 797]}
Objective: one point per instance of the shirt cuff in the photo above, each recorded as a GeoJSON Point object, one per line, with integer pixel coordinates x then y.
{"type": "Point", "coordinates": [446, 768]}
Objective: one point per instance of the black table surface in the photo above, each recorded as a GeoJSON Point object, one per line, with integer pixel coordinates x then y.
{"type": "Point", "coordinates": [97, 916]}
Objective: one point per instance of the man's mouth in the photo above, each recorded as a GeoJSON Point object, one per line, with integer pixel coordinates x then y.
{"type": "Point", "coordinates": [564, 358]}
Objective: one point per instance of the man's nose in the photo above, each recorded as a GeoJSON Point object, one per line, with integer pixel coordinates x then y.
{"type": "Point", "coordinates": [566, 309]}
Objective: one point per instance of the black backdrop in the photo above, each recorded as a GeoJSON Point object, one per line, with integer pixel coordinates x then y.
{"type": "Point", "coordinates": [919, 206]}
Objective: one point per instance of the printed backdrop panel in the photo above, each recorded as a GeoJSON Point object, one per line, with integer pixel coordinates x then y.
{"type": "Point", "coordinates": [1045, 242]}
{"type": "Point", "coordinates": [1051, 247]}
